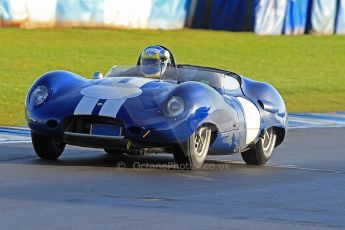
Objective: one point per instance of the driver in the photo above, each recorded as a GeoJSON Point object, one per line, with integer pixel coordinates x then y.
{"type": "Point", "coordinates": [154, 61]}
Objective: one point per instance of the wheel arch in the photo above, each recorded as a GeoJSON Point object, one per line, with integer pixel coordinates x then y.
{"type": "Point", "coordinates": [214, 130]}
{"type": "Point", "coordinates": [281, 133]}
{"type": "Point", "coordinates": [261, 93]}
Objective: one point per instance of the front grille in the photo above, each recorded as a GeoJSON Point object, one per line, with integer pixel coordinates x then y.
{"type": "Point", "coordinates": [82, 124]}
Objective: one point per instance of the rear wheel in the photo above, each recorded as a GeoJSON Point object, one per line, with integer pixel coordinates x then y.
{"type": "Point", "coordinates": [47, 147]}
{"type": "Point", "coordinates": [192, 153]}
{"type": "Point", "coordinates": [262, 151]}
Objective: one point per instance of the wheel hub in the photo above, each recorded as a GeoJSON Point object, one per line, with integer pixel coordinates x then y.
{"type": "Point", "coordinates": [267, 139]}
{"type": "Point", "coordinates": [200, 140]}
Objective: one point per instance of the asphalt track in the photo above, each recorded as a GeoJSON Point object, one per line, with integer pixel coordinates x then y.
{"type": "Point", "coordinates": [301, 188]}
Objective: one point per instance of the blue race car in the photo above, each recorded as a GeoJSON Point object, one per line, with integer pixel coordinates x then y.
{"type": "Point", "coordinates": [157, 106]}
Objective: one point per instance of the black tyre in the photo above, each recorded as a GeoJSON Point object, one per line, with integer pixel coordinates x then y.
{"type": "Point", "coordinates": [261, 153]}
{"type": "Point", "coordinates": [114, 151]}
{"type": "Point", "coordinates": [192, 154]}
{"type": "Point", "coordinates": [47, 147]}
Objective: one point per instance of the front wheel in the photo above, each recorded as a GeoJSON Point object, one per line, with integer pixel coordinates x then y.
{"type": "Point", "coordinates": [261, 153]}
{"type": "Point", "coordinates": [47, 147]}
{"type": "Point", "coordinates": [192, 153]}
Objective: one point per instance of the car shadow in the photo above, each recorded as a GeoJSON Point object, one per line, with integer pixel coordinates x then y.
{"type": "Point", "coordinates": [154, 162]}
{"type": "Point", "coordinates": [76, 156]}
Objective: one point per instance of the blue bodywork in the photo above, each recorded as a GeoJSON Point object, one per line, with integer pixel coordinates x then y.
{"type": "Point", "coordinates": [216, 107]}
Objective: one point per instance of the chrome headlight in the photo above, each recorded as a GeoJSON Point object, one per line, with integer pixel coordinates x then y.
{"type": "Point", "coordinates": [38, 95]}
{"type": "Point", "coordinates": [175, 106]}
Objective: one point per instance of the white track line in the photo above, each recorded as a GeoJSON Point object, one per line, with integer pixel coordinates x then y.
{"type": "Point", "coordinates": [15, 142]}
{"type": "Point", "coordinates": [8, 135]}
{"type": "Point", "coordinates": [280, 166]}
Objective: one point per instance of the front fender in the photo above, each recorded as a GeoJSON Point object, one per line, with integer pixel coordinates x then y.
{"type": "Point", "coordinates": [63, 96]}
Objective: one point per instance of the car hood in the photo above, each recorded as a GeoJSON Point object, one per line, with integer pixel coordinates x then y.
{"type": "Point", "coordinates": [130, 98]}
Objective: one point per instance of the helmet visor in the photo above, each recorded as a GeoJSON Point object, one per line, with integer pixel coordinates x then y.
{"type": "Point", "coordinates": [150, 62]}
{"type": "Point", "coordinates": [150, 66]}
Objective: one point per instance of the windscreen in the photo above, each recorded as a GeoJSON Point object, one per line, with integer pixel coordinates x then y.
{"type": "Point", "coordinates": [165, 74]}
{"type": "Point", "coordinates": [220, 81]}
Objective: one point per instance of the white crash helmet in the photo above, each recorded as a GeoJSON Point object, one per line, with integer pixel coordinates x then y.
{"type": "Point", "coordinates": [154, 61]}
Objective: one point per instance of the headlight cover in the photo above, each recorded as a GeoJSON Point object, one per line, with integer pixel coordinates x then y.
{"type": "Point", "coordinates": [39, 95]}
{"type": "Point", "coordinates": [175, 106]}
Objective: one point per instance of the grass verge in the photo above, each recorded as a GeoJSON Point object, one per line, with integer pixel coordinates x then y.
{"type": "Point", "coordinates": [307, 70]}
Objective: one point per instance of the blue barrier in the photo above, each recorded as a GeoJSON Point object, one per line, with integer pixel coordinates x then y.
{"type": "Point", "coordinates": [323, 13]}
{"type": "Point", "coordinates": [5, 13]}
{"type": "Point", "coordinates": [109, 13]}
{"type": "Point", "coordinates": [260, 16]}
{"type": "Point", "coordinates": [229, 15]}
{"type": "Point", "coordinates": [79, 12]}
{"type": "Point", "coordinates": [340, 19]}
{"type": "Point", "coordinates": [201, 17]}
{"type": "Point", "coordinates": [168, 14]}
{"type": "Point", "coordinates": [4, 10]}
{"type": "Point", "coordinates": [269, 16]}
{"type": "Point", "coordinates": [296, 17]}
{"type": "Point", "coordinates": [222, 15]}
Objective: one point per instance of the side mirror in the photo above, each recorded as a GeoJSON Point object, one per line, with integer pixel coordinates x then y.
{"type": "Point", "coordinates": [97, 75]}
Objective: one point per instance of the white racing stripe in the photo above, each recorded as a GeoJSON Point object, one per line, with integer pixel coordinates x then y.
{"type": "Point", "coordinates": [252, 118]}
{"type": "Point", "coordinates": [111, 108]}
{"type": "Point", "coordinates": [139, 81]}
{"type": "Point", "coordinates": [85, 106]}
{"type": "Point", "coordinates": [111, 92]}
